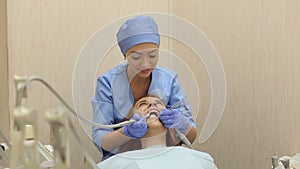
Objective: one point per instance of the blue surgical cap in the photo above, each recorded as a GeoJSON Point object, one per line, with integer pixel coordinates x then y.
{"type": "Point", "coordinates": [137, 30]}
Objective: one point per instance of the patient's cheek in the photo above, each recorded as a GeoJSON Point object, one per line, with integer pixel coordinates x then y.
{"type": "Point", "coordinates": [140, 112]}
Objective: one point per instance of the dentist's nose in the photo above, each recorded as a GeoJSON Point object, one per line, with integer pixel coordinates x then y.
{"type": "Point", "coordinates": [145, 63]}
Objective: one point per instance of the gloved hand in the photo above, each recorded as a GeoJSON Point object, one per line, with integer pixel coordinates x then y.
{"type": "Point", "coordinates": [136, 129]}
{"type": "Point", "coordinates": [172, 118]}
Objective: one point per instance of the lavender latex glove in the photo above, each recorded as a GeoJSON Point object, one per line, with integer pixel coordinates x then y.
{"type": "Point", "coordinates": [172, 118]}
{"type": "Point", "coordinates": [136, 129]}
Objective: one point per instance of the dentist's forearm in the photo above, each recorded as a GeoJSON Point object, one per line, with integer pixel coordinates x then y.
{"type": "Point", "coordinates": [114, 139]}
{"type": "Point", "coordinates": [191, 134]}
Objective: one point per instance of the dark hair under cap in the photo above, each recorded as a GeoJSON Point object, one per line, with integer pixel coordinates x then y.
{"type": "Point", "coordinates": [137, 30]}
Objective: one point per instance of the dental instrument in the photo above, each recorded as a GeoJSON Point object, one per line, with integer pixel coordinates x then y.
{"type": "Point", "coordinates": [59, 138]}
{"type": "Point", "coordinates": [24, 142]}
{"type": "Point", "coordinates": [180, 135]}
{"type": "Point", "coordinates": [21, 84]}
{"type": "Point", "coordinates": [176, 105]}
{"type": "Point", "coordinates": [31, 153]}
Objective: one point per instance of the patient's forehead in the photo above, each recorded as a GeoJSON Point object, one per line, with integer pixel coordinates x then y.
{"type": "Point", "coordinates": [149, 99]}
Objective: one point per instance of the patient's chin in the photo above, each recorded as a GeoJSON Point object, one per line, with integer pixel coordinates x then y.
{"type": "Point", "coordinates": [154, 123]}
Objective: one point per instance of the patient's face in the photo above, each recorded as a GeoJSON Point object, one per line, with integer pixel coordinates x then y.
{"type": "Point", "coordinates": [150, 107]}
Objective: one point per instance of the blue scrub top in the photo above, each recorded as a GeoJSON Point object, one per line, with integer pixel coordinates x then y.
{"type": "Point", "coordinates": [113, 98]}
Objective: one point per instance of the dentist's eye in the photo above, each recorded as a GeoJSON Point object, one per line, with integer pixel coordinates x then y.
{"type": "Point", "coordinates": [135, 57]}
{"type": "Point", "coordinates": [152, 55]}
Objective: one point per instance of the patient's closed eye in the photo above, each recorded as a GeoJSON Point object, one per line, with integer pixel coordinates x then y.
{"type": "Point", "coordinates": [140, 104]}
{"type": "Point", "coordinates": [159, 102]}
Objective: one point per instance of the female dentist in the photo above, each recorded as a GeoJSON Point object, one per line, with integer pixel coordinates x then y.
{"type": "Point", "coordinates": [118, 89]}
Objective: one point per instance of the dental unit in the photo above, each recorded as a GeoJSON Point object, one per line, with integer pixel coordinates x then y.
{"type": "Point", "coordinates": [25, 144]}
{"type": "Point", "coordinates": [286, 162]}
{"type": "Point", "coordinates": [24, 139]}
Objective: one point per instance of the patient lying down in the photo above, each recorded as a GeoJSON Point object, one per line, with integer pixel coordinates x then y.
{"type": "Point", "coordinates": [155, 153]}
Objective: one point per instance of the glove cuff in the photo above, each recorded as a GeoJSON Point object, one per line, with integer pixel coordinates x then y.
{"type": "Point", "coordinates": [182, 124]}
{"type": "Point", "coordinates": [126, 133]}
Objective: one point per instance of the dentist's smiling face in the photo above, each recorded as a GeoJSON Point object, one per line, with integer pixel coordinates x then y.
{"type": "Point", "coordinates": [150, 107]}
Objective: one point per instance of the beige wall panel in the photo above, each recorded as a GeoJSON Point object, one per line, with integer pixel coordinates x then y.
{"type": "Point", "coordinates": [45, 38]}
{"type": "Point", "coordinates": [257, 43]}
{"type": "Point", "coordinates": [195, 81]}
{"type": "Point", "coordinates": [4, 112]}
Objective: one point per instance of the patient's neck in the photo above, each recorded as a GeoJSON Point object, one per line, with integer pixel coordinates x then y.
{"type": "Point", "coordinates": [154, 138]}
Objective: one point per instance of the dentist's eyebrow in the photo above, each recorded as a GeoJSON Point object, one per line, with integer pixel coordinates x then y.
{"type": "Point", "coordinates": [152, 51]}
{"type": "Point", "coordinates": [140, 53]}
{"type": "Point", "coordinates": [136, 52]}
